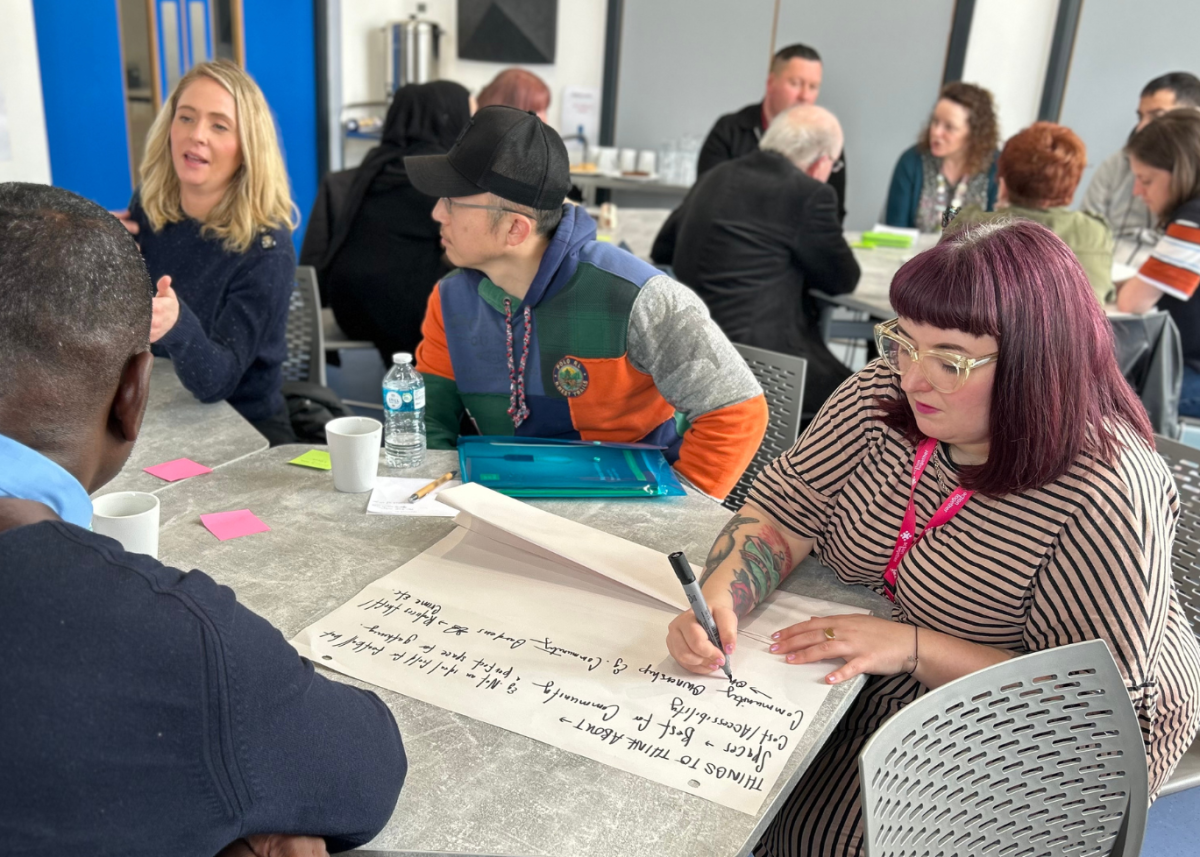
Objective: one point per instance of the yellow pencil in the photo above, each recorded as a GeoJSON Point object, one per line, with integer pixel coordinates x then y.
{"type": "Point", "coordinates": [441, 480]}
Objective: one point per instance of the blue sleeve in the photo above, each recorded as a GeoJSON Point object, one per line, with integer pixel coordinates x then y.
{"type": "Point", "coordinates": [993, 183]}
{"type": "Point", "coordinates": [255, 309]}
{"type": "Point", "coordinates": [904, 191]}
{"type": "Point", "coordinates": [315, 756]}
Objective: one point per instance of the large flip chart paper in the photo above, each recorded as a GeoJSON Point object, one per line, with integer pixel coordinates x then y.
{"type": "Point", "coordinates": [556, 631]}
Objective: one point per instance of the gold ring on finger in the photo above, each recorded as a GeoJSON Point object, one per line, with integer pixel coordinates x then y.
{"type": "Point", "coordinates": [829, 635]}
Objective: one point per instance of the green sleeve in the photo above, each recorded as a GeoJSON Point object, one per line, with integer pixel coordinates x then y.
{"type": "Point", "coordinates": [443, 411]}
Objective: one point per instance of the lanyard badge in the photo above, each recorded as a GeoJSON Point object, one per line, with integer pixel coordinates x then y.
{"type": "Point", "coordinates": [908, 534]}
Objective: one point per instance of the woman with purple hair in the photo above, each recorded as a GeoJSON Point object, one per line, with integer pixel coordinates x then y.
{"type": "Point", "coordinates": [994, 476]}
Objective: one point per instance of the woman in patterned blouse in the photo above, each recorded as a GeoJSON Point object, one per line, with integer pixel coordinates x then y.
{"type": "Point", "coordinates": [953, 164]}
{"type": "Point", "coordinates": [1044, 516]}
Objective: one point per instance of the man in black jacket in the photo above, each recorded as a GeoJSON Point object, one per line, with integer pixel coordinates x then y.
{"type": "Point", "coordinates": [755, 234]}
{"type": "Point", "coordinates": [795, 78]}
{"type": "Point", "coordinates": [143, 710]}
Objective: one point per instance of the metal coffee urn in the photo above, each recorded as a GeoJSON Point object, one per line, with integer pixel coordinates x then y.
{"type": "Point", "coordinates": [412, 52]}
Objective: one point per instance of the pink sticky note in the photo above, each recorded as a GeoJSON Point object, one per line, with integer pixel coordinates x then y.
{"type": "Point", "coordinates": [230, 525]}
{"type": "Point", "coordinates": [180, 468]}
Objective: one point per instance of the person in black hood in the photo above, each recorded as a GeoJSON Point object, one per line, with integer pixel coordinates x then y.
{"type": "Point", "coordinates": [371, 237]}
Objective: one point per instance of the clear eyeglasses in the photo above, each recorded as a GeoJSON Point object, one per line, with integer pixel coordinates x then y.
{"type": "Point", "coordinates": [452, 204]}
{"type": "Point", "coordinates": [945, 371]}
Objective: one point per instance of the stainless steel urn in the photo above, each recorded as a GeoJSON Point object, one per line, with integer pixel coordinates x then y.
{"type": "Point", "coordinates": [412, 52]}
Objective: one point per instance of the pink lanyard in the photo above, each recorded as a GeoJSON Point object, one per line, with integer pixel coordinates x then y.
{"type": "Point", "coordinates": [908, 535]}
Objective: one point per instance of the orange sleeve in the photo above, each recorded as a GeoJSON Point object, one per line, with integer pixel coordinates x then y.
{"type": "Point", "coordinates": [720, 445]}
{"type": "Point", "coordinates": [433, 354]}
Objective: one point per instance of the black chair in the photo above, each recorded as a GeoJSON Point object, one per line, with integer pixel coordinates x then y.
{"type": "Point", "coordinates": [1150, 354]}
{"type": "Point", "coordinates": [782, 379]}
{"type": "Point", "coordinates": [306, 346]}
{"type": "Point", "coordinates": [1184, 462]}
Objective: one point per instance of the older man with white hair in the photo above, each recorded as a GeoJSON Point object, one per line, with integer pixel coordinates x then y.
{"type": "Point", "coordinates": [755, 234]}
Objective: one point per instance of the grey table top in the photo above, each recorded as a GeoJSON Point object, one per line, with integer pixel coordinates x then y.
{"type": "Point", "coordinates": [473, 787]}
{"type": "Point", "coordinates": [177, 425]}
{"type": "Point", "coordinates": [879, 265]}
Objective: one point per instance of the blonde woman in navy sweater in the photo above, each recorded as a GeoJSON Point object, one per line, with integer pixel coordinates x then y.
{"type": "Point", "coordinates": [213, 217]}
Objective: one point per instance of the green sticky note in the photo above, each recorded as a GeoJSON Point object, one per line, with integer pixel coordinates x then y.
{"type": "Point", "coordinates": [316, 458]}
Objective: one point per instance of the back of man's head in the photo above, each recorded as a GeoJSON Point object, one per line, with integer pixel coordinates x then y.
{"type": "Point", "coordinates": [792, 52]}
{"type": "Point", "coordinates": [1185, 86]}
{"type": "Point", "coordinates": [75, 299]}
{"type": "Point", "coordinates": [803, 134]}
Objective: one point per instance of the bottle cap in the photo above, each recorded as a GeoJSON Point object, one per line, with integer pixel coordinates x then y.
{"type": "Point", "coordinates": [402, 357]}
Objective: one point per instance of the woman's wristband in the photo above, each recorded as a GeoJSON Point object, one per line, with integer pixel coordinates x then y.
{"type": "Point", "coordinates": [915, 656]}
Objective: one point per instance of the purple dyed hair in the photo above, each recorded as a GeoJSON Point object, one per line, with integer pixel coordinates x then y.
{"type": "Point", "coordinates": [1057, 390]}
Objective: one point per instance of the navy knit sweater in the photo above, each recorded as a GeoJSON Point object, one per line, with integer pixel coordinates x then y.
{"type": "Point", "coordinates": [230, 340]}
{"type": "Point", "coordinates": [144, 711]}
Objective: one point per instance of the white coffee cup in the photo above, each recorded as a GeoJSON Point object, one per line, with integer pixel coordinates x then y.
{"type": "Point", "coordinates": [354, 452]}
{"type": "Point", "coordinates": [606, 159]}
{"type": "Point", "coordinates": [647, 161]}
{"type": "Point", "coordinates": [628, 160]}
{"type": "Point", "coordinates": [130, 517]}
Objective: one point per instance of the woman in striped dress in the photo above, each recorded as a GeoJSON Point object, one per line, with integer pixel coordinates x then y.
{"type": "Point", "coordinates": [992, 472]}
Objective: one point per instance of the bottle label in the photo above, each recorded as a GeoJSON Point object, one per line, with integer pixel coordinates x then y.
{"type": "Point", "coordinates": [404, 400]}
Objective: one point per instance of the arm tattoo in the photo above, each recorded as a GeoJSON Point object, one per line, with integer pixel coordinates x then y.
{"type": "Point", "coordinates": [766, 558]}
{"type": "Point", "coordinates": [723, 546]}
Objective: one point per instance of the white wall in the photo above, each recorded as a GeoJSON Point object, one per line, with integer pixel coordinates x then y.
{"type": "Point", "coordinates": [27, 156]}
{"type": "Point", "coordinates": [579, 54]}
{"type": "Point", "coordinates": [1119, 48]}
{"type": "Point", "coordinates": [1007, 53]}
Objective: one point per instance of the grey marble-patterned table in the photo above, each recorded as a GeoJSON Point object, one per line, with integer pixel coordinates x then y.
{"type": "Point", "coordinates": [178, 425]}
{"type": "Point", "coordinates": [473, 787]}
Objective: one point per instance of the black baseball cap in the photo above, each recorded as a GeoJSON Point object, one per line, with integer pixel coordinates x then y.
{"type": "Point", "coordinates": [504, 151]}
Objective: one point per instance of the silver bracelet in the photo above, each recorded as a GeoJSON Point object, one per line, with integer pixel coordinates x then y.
{"type": "Point", "coordinates": [915, 656]}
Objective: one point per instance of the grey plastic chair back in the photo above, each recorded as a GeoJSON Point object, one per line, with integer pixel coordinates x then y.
{"type": "Point", "coordinates": [305, 342]}
{"type": "Point", "coordinates": [782, 379]}
{"type": "Point", "coordinates": [1184, 462]}
{"type": "Point", "coordinates": [1039, 756]}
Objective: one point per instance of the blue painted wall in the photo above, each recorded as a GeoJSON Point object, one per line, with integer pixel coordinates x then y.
{"type": "Point", "coordinates": [79, 51]}
{"type": "Point", "coordinates": [280, 55]}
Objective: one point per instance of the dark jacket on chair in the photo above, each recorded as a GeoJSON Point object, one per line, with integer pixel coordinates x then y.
{"type": "Point", "coordinates": [372, 239]}
{"type": "Point", "coordinates": [752, 237]}
{"type": "Point", "coordinates": [737, 134]}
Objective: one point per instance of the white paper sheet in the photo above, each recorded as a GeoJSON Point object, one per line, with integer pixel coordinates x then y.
{"type": "Point", "coordinates": [390, 497]}
{"type": "Point", "coordinates": [524, 641]}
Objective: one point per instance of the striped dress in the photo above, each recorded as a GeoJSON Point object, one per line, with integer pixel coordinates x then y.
{"type": "Point", "coordinates": [1087, 556]}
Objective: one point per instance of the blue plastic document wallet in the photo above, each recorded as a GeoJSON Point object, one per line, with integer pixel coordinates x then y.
{"type": "Point", "coordinates": [538, 467]}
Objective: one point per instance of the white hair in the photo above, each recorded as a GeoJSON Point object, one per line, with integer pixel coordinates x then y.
{"type": "Point", "coordinates": [803, 134]}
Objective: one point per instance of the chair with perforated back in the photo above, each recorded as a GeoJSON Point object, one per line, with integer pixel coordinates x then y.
{"type": "Point", "coordinates": [1184, 462]}
{"type": "Point", "coordinates": [305, 341]}
{"type": "Point", "coordinates": [1038, 756]}
{"type": "Point", "coordinates": [782, 378]}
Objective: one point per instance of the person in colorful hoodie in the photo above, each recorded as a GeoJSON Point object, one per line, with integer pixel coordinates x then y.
{"type": "Point", "coordinates": [542, 331]}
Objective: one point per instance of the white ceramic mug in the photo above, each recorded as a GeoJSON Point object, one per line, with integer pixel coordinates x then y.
{"type": "Point", "coordinates": [606, 159]}
{"type": "Point", "coordinates": [628, 160]}
{"type": "Point", "coordinates": [647, 162]}
{"type": "Point", "coordinates": [130, 517]}
{"type": "Point", "coordinates": [354, 452]}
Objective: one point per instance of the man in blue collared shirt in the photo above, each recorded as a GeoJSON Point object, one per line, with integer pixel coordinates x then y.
{"type": "Point", "coordinates": [143, 710]}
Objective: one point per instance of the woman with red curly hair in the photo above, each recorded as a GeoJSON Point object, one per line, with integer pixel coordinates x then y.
{"type": "Point", "coordinates": [994, 476]}
{"type": "Point", "coordinates": [953, 164]}
{"type": "Point", "coordinates": [1039, 170]}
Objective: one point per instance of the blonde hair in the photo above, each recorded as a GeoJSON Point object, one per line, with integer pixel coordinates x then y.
{"type": "Point", "coordinates": [258, 196]}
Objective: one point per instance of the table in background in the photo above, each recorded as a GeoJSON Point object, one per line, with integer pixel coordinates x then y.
{"type": "Point", "coordinates": [473, 786]}
{"type": "Point", "coordinates": [589, 183]}
{"type": "Point", "coordinates": [178, 425]}
{"type": "Point", "coordinates": [637, 227]}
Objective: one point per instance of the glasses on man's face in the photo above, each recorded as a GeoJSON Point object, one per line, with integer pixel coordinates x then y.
{"type": "Point", "coordinates": [945, 371]}
{"type": "Point", "coordinates": [452, 204]}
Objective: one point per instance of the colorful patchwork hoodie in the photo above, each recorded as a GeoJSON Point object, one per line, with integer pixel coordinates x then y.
{"type": "Point", "coordinates": [603, 347]}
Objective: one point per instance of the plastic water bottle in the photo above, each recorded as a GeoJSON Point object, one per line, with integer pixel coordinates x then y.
{"type": "Point", "coordinates": [404, 413]}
